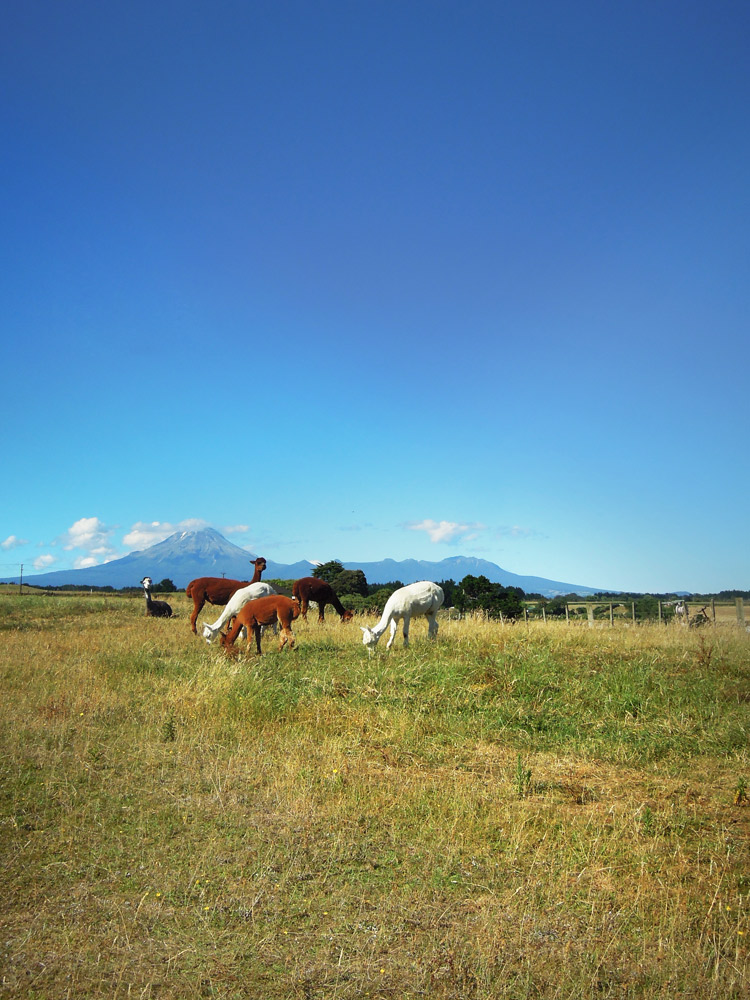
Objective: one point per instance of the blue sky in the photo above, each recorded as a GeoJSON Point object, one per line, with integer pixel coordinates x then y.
{"type": "Point", "coordinates": [363, 279]}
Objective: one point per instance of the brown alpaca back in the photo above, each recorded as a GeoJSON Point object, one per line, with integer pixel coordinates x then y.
{"type": "Point", "coordinates": [265, 611]}
{"type": "Point", "coordinates": [312, 588]}
{"type": "Point", "coordinates": [217, 590]}
{"type": "Point", "coordinates": [210, 590]}
{"type": "Point", "coordinates": [213, 589]}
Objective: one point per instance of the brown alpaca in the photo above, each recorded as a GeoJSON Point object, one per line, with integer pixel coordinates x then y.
{"type": "Point", "coordinates": [217, 590]}
{"type": "Point", "coordinates": [310, 588]}
{"type": "Point", "coordinates": [264, 611]}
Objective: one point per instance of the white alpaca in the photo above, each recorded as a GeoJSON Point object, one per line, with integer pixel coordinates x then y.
{"type": "Point", "coordinates": [422, 598]}
{"type": "Point", "coordinates": [236, 602]}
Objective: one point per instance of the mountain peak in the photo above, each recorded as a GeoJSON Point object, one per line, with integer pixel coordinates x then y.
{"type": "Point", "coordinates": [186, 555]}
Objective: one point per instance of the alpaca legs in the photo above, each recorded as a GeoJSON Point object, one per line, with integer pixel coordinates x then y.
{"type": "Point", "coordinates": [394, 629]}
{"type": "Point", "coordinates": [194, 616]}
{"type": "Point", "coordinates": [227, 640]}
{"type": "Point", "coordinates": [286, 636]}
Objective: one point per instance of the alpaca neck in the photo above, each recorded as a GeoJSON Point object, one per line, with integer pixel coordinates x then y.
{"type": "Point", "coordinates": [377, 630]}
{"type": "Point", "coordinates": [338, 605]}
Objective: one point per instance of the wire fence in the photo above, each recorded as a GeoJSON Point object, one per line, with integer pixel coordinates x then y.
{"type": "Point", "coordinates": [681, 612]}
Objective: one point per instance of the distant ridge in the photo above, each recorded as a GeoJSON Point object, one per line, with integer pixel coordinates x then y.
{"type": "Point", "coordinates": [457, 567]}
{"type": "Point", "coordinates": [186, 555]}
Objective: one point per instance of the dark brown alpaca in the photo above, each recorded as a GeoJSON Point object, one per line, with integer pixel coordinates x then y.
{"type": "Point", "coordinates": [154, 609]}
{"type": "Point", "coordinates": [310, 588]}
{"type": "Point", "coordinates": [264, 611]}
{"type": "Point", "coordinates": [217, 590]}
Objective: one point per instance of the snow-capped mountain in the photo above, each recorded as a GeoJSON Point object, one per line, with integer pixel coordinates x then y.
{"type": "Point", "coordinates": [186, 555]}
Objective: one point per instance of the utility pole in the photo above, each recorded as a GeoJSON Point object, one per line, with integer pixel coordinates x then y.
{"type": "Point", "coordinates": [20, 582]}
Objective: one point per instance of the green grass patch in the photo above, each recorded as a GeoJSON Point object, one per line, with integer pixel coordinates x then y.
{"type": "Point", "coordinates": [511, 811]}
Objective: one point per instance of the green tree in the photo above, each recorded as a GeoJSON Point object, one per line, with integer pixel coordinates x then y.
{"type": "Point", "coordinates": [390, 586]}
{"type": "Point", "coordinates": [477, 593]}
{"type": "Point", "coordinates": [378, 600]}
{"type": "Point", "coordinates": [355, 602]}
{"type": "Point", "coordinates": [351, 581]}
{"type": "Point", "coordinates": [343, 581]}
{"type": "Point", "coordinates": [449, 589]}
{"type": "Point", "coordinates": [328, 571]}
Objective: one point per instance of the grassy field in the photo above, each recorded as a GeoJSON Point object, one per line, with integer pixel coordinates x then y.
{"type": "Point", "coordinates": [512, 811]}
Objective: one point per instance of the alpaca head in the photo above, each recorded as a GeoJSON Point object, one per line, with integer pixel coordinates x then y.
{"type": "Point", "coordinates": [208, 633]}
{"type": "Point", "coordinates": [229, 650]}
{"type": "Point", "coordinates": [146, 583]}
{"type": "Point", "coordinates": [259, 563]}
{"type": "Point", "coordinates": [347, 616]}
{"type": "Point", "coordinates": [369, 638]}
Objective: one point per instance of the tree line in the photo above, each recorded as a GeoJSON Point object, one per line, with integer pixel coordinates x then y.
{"type": "Point", "coordinates": [472, 593]}
{"type": "Point", "coordinates": [478, 593]}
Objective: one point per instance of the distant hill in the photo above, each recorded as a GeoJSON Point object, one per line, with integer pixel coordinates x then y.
{"type": "Point", "coordinates": [186, 555]}
{"type": "Point", "coordinates": [457, 567]}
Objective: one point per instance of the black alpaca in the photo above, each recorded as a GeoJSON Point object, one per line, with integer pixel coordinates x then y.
{"type": "Point", "coordinates": [154, 609]}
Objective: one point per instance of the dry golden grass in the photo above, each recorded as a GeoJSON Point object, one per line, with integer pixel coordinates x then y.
{"type": "Point", "coordinates": [541, 811]}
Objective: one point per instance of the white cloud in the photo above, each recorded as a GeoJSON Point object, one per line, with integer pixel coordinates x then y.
{"type": "Point", "coordinates": [12, 542]}
{"type": "Point", "coordinates": [87, 533]}
{"type": "Point", "coordinates": [42, 562]}
{"type": "Point", "coordinates": [447, 531]}
{"type": "Point", "coordinates": [144, 534]}
{"type": "Point", "coordinates": [236, 529]}
{"type": "Point", "coordinates": [92, 538]}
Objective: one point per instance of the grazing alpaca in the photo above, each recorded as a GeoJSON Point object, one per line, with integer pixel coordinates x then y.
{"type": "Point", "coordinates": [417, 599]}
{"type": "Point", "coordinates": [236, 602]}
{"type": "Point", "coordinates": [154, 609]}
{"type": "Point", "coordinates": [310, 588]}
{"type": "Point", "coordinates": [217, 590]}
{"type": "Point", "coordinates": [264, 611]}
